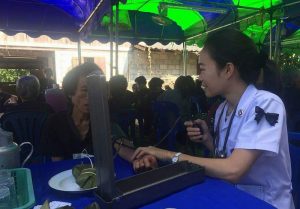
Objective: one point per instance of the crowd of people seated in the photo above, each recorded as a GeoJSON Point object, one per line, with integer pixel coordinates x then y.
{"type": "Point", "coordinates": [138, 115]}
{"type": "Point", "coordinates": [134, 111]}
{"type": "Point", "coordinates": [67, 132]}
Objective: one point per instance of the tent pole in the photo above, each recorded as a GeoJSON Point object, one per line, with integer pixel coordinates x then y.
{"type": "Point", "coordinates": [184, 54]}
{"type": "Point", "coordinates": [291, 4]}
{"type": "Point", "coordinates": [111, 41]}
{"type": "Point", "coordinates": [277, 40]}
{"type": "Point", "coordinates": [224, 26]}
{"type": "Point", "coordinates": [270, 47]}
{"type": "Point", "coordinates": [91, 15]}
{"type": "Point", "coordinates": [79, 50]}
{"type": "Point", "coordinates": [117, 39]}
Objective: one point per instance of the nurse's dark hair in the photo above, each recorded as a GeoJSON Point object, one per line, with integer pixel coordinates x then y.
{"type": "Point", "coordinates": [232, 46]}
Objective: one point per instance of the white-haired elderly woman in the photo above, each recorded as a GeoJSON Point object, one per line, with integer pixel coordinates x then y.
{"type": "Point", "coordinates": [28, 90]}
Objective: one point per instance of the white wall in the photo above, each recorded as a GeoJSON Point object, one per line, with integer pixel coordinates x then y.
{"type": "Point", "coordinates": [63, 61]}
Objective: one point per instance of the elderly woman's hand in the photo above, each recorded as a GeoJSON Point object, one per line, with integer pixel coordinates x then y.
{"type": "Point", "coordinates": [147, 162]}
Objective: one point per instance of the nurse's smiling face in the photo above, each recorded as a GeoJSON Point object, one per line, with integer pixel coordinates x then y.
{"type": "Point", "coordinates": [211, 77]}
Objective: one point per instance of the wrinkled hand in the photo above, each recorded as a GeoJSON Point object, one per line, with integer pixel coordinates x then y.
{"type": "Point", "coordinates": [195, 133]}
{"type": "Point", "coordinates": [147, 162]}
{"type": "Point", "coordinates": [154, 151]}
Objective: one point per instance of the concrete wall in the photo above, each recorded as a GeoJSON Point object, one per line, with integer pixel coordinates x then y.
{"type": "Point", "coordinates": [61, 55]}
{"type": "Point", "coordinates": [67, 59]}
{"type": "Point", "coordinates": [132, 63]}
{"type": "Point", "coordinates": [167, 65]}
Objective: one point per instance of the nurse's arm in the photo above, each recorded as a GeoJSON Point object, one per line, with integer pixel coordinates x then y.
{"type": "Point", "coordinates": [231, 168]}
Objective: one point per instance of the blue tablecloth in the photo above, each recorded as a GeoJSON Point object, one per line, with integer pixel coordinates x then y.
{"type": "Point", "coordinates": [211, 194]}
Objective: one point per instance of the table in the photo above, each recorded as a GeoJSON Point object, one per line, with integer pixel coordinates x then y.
{"type": "Point", "coordinates": [211, 194]}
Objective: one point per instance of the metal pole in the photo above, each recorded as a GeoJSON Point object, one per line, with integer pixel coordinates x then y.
{"type": "Point", "coordinates": [224, 26]}
{"type": "Point", "coordinates": [111, 41]}
{"type": "Point", "coordinates": [116, 39]}
{"type": "Point", "coordinates": [270, 48]}
{"type": "Point", "coordinates": [79, 51]}
{"type": "Point", "coordinates": [184, 53]}
{"type": "Point", "coordinates": [164, 5]}
{"type": "Point", "coordinates": [90, 17]}
{"type": "Point", "coordinates": [277, 40]}
{"type": "Point", "coordinates": [291, 4]}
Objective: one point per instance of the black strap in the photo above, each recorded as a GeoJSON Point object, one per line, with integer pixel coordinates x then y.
{"type": "Point", "coordinates": [228, 130]}
{"type": "Point", "coordinates": [217, 133]}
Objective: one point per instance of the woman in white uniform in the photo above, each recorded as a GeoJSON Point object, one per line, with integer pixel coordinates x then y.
{"type": "Point", "coordinates": [250, 142]}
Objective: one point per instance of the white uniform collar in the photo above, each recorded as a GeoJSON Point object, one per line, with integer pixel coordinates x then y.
{"type": "Point", "coordinates": [246, 99]}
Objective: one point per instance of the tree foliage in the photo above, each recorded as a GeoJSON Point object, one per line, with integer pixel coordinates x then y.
{"type": "Point", "coordinates": [11, 75]}
{"type": "Point", "coordinates": [289, 63]}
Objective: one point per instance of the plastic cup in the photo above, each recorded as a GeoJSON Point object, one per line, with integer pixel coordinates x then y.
{"type": "Point", "coordinates": [4, 198]}
{"type": "Point", "coordinates": [4, 174]}
{"type": "Point", "coordinates": [9, 182]}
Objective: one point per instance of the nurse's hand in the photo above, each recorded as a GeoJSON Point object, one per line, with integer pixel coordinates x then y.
{"type": "Point", "coordinates": [158, 153]}
{"type": "Point", "coordinates": [145, 163]}
{"type": "Point", "coordinates": [197, 131]}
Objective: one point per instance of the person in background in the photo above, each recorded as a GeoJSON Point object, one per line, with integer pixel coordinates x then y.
{"type": "Point", "coordinates": [143, 103]}
{"type": "Point", "coordinates": [167, 88]}
{"type": "Point", "coordinates": [120, 98]}
{"type": "Point", "coordinates": [250, 142]}
{"type": "Point", "coordinates": [122, 104]}
{"type": "Point", "coordinates": [42, 80]}
{"type": "Point", "coordinates": [6, 99]}
{"type": "Point", "coordinates": [69, 133]}
{"type": "Point", "coordinates": [48, 73]}
{"type": "Point", "coordinates": [28, 90]}
{"type": "Point", "coordinates": [180, 95]}
{"type": "Point", "coordinates": [134, 88]}
{"type": "Point", "coordinates": [155, 87]}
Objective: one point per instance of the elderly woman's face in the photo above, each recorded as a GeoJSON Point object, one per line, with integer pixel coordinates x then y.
{"type": "Point", "coordinates": [80, 98]}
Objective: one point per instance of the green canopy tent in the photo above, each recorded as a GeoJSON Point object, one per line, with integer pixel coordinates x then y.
{"type": "Point", "coordinates": [188, 22]}
{"type": "Point", "coordinates": [168, 20]}
{"type": "Point", "coordinates": [292, 43]}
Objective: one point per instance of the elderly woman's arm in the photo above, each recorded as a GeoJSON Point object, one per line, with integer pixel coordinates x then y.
{"type": "Point", "coordinates": [145, 163]}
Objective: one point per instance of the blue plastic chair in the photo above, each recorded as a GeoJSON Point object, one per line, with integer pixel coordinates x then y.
{"type": "Point", "coordinates": [294, 144]}
{"type": "Point", "coordinates": [166, 117]}
{"type": "Point", "coordinates": [26, 126]}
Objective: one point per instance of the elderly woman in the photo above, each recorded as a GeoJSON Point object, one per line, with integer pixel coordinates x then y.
{"type": "Point", "coordinates": [69, 133]}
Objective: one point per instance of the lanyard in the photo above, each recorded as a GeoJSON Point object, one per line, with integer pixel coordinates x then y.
{"type": "Point", "coordinates": [217, 152]}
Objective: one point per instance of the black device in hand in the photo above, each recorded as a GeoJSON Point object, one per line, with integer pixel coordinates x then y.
{"type": "Point", "coordinates": [195, 125]}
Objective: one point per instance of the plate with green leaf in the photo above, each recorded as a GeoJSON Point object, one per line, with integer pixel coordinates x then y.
{"type": "Point", "coordinates": [81, 178]}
